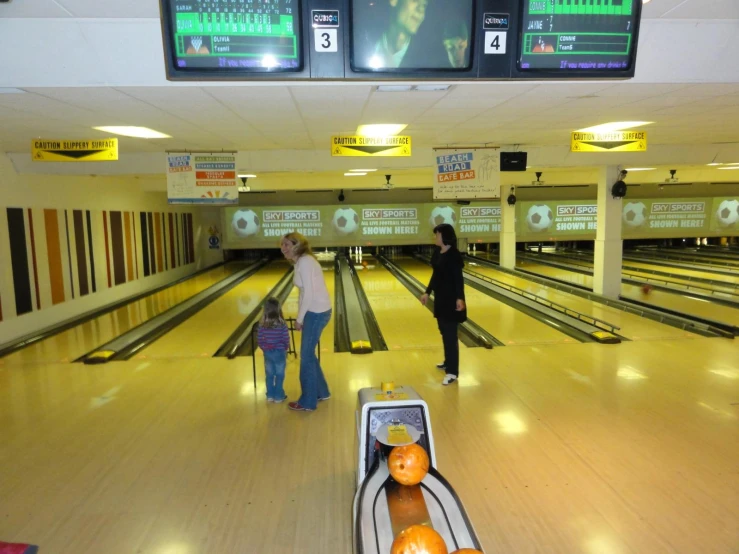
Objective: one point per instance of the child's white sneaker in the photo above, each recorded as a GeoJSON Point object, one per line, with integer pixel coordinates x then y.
{"type": "Point", "coordinates": [449, 379]}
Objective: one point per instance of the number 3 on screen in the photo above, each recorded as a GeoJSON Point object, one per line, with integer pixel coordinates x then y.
{"type": "Point", "coordinates": [495, 42]}
{"type": "Point", "coordinates": [325, 40]}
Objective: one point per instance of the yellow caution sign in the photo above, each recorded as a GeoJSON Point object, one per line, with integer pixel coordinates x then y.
{"type": "Point", "coordinates": [385, 147]}
{"type": "Point", "coordinates": [613, 141]}
{"type": "Point", "coordinates": [74, 150]}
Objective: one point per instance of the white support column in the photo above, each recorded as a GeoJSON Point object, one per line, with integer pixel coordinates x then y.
{"type": "Point", "coordinates": [507, 231]}
{"type": "Point", "coordinates": [608, 243]}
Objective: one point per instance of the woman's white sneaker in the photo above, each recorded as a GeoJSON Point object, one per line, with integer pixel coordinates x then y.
{"type": "Point", "coordinates": [449, 379]}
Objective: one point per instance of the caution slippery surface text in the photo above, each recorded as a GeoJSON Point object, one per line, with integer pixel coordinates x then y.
{"type": "Point", "coordinates": [396, 146]}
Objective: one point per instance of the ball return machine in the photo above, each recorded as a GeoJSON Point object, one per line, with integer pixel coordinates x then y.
{"type": "Point", "coordinates": [382, 507]}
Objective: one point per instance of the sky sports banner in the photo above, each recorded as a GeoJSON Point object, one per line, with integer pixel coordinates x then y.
{"type": "Point", "coordinates": [642, 218]}
{"type": "Point", "coordinates": [358, 225]}
{"type": "Point", "coordinates": [202, 178]}
{"type": "Point", "coordinates": [468, 174]}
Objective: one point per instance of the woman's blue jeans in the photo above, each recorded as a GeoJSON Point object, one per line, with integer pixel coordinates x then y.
{"type": "Point", "coordinates": [312, 382]}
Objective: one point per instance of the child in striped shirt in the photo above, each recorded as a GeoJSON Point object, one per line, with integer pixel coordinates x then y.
{"type": "Point", "coordinates": [274, 339]}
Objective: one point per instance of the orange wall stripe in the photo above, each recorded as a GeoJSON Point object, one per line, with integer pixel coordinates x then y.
{"type": "Point", "coordinates": [54, 253]}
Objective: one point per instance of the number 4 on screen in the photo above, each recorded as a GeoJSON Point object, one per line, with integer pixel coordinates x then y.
{"type": "Point", "coordinates": [495, 42]}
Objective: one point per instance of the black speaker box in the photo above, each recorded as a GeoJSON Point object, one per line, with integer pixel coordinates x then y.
{"type": "Point", "coordinates": [513, 161]}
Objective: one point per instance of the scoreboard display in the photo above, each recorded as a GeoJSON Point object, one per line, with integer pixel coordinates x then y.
{"type": "Point", "coordinates": [577, 35]}
{"type": "Point", "coordinates": [239, 36]}
{"type": "Point", "coordinates": [345, 40]}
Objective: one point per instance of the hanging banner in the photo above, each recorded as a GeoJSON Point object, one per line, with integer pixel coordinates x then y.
{"type": "Point", "coordinates": [194, 178]}
{"type": "Point", "coordinates": [98, 150]}
{"type": "Point", "coordinates": [379, 147]}
{"type": "Point", "coordinates": [466, 173]}
{"type": "Point", "coordinates": [358, 225]}
{"type": "Point", "coordinates": [613, 141]}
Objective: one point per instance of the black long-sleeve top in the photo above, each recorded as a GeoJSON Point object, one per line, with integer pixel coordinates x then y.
{"type": "Point", "coordinates": [447, 284]}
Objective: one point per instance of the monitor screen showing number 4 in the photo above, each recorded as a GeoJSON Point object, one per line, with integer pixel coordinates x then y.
{"type": "Point", "coordinates": [495, 42]}
{"type": "Point", "coordinates": [326, 40]}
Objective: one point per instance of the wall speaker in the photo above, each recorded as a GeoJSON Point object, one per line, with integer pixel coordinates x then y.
{"type": "Point", "coordinates": [513, 161]}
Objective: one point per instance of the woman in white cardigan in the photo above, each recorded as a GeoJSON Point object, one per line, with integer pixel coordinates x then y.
{"type": "Point", "coordinates": [314, 313]}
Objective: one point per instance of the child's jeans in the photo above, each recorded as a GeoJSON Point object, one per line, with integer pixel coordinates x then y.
{"type": "Point", "coordinates": [274, 366]}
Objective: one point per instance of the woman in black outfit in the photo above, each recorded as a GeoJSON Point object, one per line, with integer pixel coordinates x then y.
{"type": "Point", "coordinates": [447, 284]}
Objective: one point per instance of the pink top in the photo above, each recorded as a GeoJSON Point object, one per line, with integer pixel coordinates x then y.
{"type": "Point", "coordinates": [314, 295]}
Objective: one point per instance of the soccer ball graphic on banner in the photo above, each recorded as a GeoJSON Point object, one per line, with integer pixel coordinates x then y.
{"type": "Point", "coordinates": [539, 217]}
{"type": "Point", "coordinates": [634, 214]}
{"type": "Point", "coordinates": [346, 220]}
{"type": "Point", "coordinates": [728, 212]}
{"type": "Point", "coordinates": [443, 214]}
{"type": "Point", "coordinates": [245, 223]}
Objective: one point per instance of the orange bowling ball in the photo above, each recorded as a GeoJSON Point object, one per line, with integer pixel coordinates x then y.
{"type": "Point", "coordinates": [408, 464]}
{"type": "Point", "coordinates": [418, 539]}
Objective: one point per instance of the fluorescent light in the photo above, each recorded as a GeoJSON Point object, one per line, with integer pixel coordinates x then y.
{"type": "Point", "coordinates": [715, 163]}
{"type": "Point", "coordinates": [248, 175]}
{"type": "Point", "coordinates": [431, 88]}
{"type": "Point", "coordinates": [380, 130]}
{"type": "Point", "coordinates": [354, 174]}
{"type": "Point", "coordinates": [136, 132]}
{"type": "Point", "coordinates": [614, 126]}
{"type": "Point", "coordinates": [364, 170]}
{"type": "Point", "coordinates": [645, 1]}
{"type": "Point", "coordinates": [393, 88]}
{"type": "Point", "coordinates": [729, 168]}
{"type": "Point", "coordinates": [640, 168]}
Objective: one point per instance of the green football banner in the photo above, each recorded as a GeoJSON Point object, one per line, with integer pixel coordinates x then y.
{"type": "Point", "coordinates": [358, 225]}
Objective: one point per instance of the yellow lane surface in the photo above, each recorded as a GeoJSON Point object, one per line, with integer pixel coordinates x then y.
{"type": "Point", "coordinates": [505, 323]}
{"type": "Point", "coordinates": [632, 326]}
{"type": "Point", "coordinates": [692, 306]}
{"type": "Point", "coordinates": [403, 321]}
{"type": "Point", "coordinates": [203, 333]}
{"type": "Point", "coordinates": [73, 343]}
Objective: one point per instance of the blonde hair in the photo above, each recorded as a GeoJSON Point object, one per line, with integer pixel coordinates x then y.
{"type": "Point", "coordinates": [272, 315]}
{"type": "Point", "coordinates": [300, 244]}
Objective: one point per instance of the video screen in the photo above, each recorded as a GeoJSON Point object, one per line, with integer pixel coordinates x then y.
{"type": "Point", "coordinates": [578, 35]}
{"type": "Point", "coordinates": [392, 35]}
{"type": "Point", "coordinates": [229, 35]}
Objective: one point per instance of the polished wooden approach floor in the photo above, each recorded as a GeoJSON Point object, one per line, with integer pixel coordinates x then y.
{"type": "Point", "coordinates": [566, 448]}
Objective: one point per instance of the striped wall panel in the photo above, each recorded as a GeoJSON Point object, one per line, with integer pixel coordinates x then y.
{"type": "Point", "coordinates": [60, 255]}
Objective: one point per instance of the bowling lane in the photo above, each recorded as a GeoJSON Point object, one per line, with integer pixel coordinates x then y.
{"type": "Point", "coordinates": [691, 306]}
{"type": "Point", "coordinates": [74, 342]}
{"type": "Point", "coordinates": [203, 333]}
{"type": "Point", "coordinates": [505, 323]}
{"type": "Point", "coordinates": [404, 322]}
{"type": "Point", "coordinates": [701, 272]}
{"type": "Point", "coordinates": [631, 269]}
{"type": "Point", "coordinates": [632, 326]}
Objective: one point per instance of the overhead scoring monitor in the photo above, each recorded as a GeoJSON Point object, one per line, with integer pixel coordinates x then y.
{"type": "Point", "coordinates": [578, 36]}
{"type": "Point", "coordinates": [228, 36]}
{"type": "Point", "coordinates": [412, 35]}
